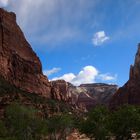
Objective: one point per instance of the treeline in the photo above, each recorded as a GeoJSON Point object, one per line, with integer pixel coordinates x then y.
{"type": "Point", "coordinates": [26, 123]}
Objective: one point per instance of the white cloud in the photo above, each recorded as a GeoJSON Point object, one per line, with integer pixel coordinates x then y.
{"type": "Point", "coordinates": [52, 71]}
{"type": "Point", "coordinates": [4, 3]}
{"type": "Point", "coordinates": [99, 38]}
{"type": "Point", "coordinates": [107, 77]}
{"type": "Point", "coordinates": [52, 21]}
{"type": "Point", "coordinates": [67, 77]}
{"type": "Point", "coordinates": [88, 74]}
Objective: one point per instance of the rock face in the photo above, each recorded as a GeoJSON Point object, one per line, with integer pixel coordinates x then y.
{"type": "Point", "coordinates": [101, 92]}
{"type": "Point", "coordinates": [83, 96]}
{"type": "Point", "coordinates": [60, 90]}
{"type": "Point", "coordinates": [130, 92]}
{"type": "Point", "coordinates": [18, 63]}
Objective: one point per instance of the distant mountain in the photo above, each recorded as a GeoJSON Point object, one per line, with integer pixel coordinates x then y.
{"type": "Point", "coordinates": [85, 95]}
{"type": "Point", "coordinates": [100, 91]}
{"type": "Point", "coordinates": [130, 92]}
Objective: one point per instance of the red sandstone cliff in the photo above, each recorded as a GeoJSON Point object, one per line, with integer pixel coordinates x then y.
{"type": "Point", "coordinates": [130, 92]}
{"type": "Point", "coordinates": [18, 63]}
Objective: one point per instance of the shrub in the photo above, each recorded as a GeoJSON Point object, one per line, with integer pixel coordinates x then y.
{"type": "Point", "coordinates": [24, 123]}
{"type": "Point", "coordinates": [95, 124]}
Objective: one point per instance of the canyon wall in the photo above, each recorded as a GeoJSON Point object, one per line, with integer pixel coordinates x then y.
{"type": "Point", "coordinates": [18, 62]}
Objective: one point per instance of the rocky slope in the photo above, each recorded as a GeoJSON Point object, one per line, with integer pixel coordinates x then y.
{"type": "Point", "coordinates": [18, 63]}
{"type": "Point", "coordinates": [130, 92]}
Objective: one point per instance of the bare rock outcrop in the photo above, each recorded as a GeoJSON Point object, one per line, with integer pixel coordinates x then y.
{"type": "Point", "coordinates": [130, 92]}
{"type": "Point", "coordinates": [19, 64]}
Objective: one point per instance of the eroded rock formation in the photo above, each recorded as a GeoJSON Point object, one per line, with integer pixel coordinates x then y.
{"type": "Point", "coordinates": [18, 62]}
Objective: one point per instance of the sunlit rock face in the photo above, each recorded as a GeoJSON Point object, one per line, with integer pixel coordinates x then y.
{"type": "Point", "coordinates": [130, 92]}
{"type": "Point", "coordinates": [18, 62]}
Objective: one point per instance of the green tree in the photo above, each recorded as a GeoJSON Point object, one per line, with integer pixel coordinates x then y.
{"type": "Point", "coordinates": [124, 122]}
{"type": "Point", "coordinates": [95, 124]}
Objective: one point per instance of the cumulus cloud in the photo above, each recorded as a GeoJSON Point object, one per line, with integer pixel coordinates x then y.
{"type": "Point", "coordinates": [99, 38]}
{"type": "Point", "coordinates": [52, 71]}
{"type": "Point", "coordinates": [88, 74]}
{"type": "Point", "coordinates": [4, 3]}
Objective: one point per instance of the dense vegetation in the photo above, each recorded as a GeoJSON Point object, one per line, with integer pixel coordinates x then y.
{"type": "Point", "coordinates": [24, 119]}
{"type": "Point", "coordinates": [26, 123]}
{"type": "Point", "coordinates": [120, 124]}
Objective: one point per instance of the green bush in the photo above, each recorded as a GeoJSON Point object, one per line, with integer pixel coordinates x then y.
{"type": "Point", "coordinates": [23, 123]}
{"type": "Point", "coordinates": [59, 126]}
{"type": "Point", "coordinates": [95, 124]}
{"type": "Point", "coordinates": [124, 122]}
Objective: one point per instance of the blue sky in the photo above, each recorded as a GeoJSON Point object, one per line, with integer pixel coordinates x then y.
{"type": "Point", "coordinates": [81, 41]}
